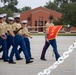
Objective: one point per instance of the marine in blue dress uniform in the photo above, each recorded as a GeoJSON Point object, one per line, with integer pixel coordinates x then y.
{"type": "Point", "coordinates": [10, 29]}
{"type": "Point", "coordinates": [24, 32]}
{"type": "Point", "coordinates": [3, 23]}
{"type": "Point", "coordinates": [3, 38]}
{"type": "Point", "coordinates": [18, 40]}
{"type": "Point", "coordinates": [49, 42]}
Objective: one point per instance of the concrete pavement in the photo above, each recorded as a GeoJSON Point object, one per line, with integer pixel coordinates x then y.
{"type": "Point", "coordinates": [37, 43]}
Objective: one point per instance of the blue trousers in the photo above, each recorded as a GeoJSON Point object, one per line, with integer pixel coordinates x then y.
{"type": "Point", "coordinates": [19, 40]}
{"type": "Point", "coordinates": [1, 46]}
{"type": "Point", "coordinates": [10, 41]}
{"type": "Point", "coordinates": [27, 43]}
{"type": "Point", "coordinates": [54, 45]}
{"type": "Point", "coordinates": [4, 48]}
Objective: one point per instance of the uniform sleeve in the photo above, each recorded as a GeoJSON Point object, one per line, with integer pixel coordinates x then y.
{"type": "Point", "coordinates": [7, 27]}
{"type": "Point", "coordinates": [16, 26]}
{"type": "Point", "coordinates": [46, 27]}
{"type": "Point", "coordinates": [52, 24]}
{"type": "Point", "coordinates": [26, 33]}
{"type": "Point", "coordinates": [2, 30]}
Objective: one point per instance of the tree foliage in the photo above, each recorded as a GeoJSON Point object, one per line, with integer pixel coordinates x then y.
{"type": "Point", "coordinates": [67, 8]}
{"type": "Point", "coordinates": [4, 1]}
{"type": "Point", "coordinates": [69, 12]}
{"type": "Point", "coordinates": [26, 8]}
{"type": "Point", "coordinates": [59, 2]}
{"type": "Point", "coordinates": [51, 5]}
{"type": "Point", "coordinates": [10, 8]}
{"type": "Point", "coordinates": [13, 2]}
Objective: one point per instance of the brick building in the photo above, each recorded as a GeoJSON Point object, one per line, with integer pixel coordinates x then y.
{"type": "Point", "coordinates": [38, 17]}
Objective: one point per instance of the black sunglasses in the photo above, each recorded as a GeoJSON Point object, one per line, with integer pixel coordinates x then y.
{"type": "Point", "coordinates": [17, 17]}
{"type": "Point", "coordinates": [0, 17]}
{"type": "Point", "coordinates": [10, 20]}
{"type": "Point", "coordinates": [4, 16]}
{"type": "Point", "coordinates": [24, 23]}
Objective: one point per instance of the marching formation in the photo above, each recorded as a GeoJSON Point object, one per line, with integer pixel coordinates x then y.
{"type": "Point", "coordinates": [16, 34]}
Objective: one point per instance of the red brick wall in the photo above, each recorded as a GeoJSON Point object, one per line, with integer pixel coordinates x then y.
{"type": "Point", "coordinates": [34, 15]}
{"type": "Point", "coordinates": [45, 11]}
{"type": "Point", "coordinates": [73, 28]}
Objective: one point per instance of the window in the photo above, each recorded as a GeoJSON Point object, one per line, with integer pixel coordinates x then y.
{"type": "Point", "coordinates": [35, 23]}
{"type": "Point", "coordinates": [45, 22]}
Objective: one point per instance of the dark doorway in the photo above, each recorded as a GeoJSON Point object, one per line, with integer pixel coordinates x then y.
{"type": "Point", "coordinates": [35, 25]}
{"type": "Point", "coordinates": [40, 26]}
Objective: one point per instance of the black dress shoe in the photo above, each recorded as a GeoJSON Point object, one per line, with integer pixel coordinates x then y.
{"type": "Point", "coordinates": [31, 58]}
{"type": "Point", "coordinates": [1, 58]}
{"type": "Point", "coordinates": [5, 60]}
{"type": "Point", "coordinates": [43, 59]}
{"type": "Point", "coordinates": [27, 62]}
{"type": "Point", "coordinates": [19, 59]}
{"type": "Point", "coordinates": [12, 62]}
{"type": "Point", "coordinates": [1, 50]}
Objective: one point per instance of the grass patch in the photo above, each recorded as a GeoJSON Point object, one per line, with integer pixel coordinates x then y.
{"type": "Point", "coordinates": [59, 34]}
{"type": "Point", "coordinates": [67, 34]}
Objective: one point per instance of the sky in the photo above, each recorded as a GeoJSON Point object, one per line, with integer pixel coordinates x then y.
{"type": "Point", "coordinates": [31, 3]}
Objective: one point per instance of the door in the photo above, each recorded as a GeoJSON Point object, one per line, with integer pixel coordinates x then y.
{"type": "Point", "coordinates": [40, 26]}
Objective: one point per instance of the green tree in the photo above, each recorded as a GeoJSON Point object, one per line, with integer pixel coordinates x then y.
{"type": "Point", "coordinates": [11, 5]}
{"type": "Point", "coordinates": [67, 8]}
{"type": "Point", "coordinates": [60, 2]}
{"type": "Point", "coordinates": [51, 5]}
{"type": "Point", "coordinates": [12, 8]}
{"type": "Point", "coordinates": [69, 11]}
{"type": "Point", "coordinates": [14, 2]}
{"type": "Point", "coordinates": [4, 1]}
{"type": "Point", "coordinates": [1, 10]}
{"type": "Point", "coordinates": [26, 8]}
